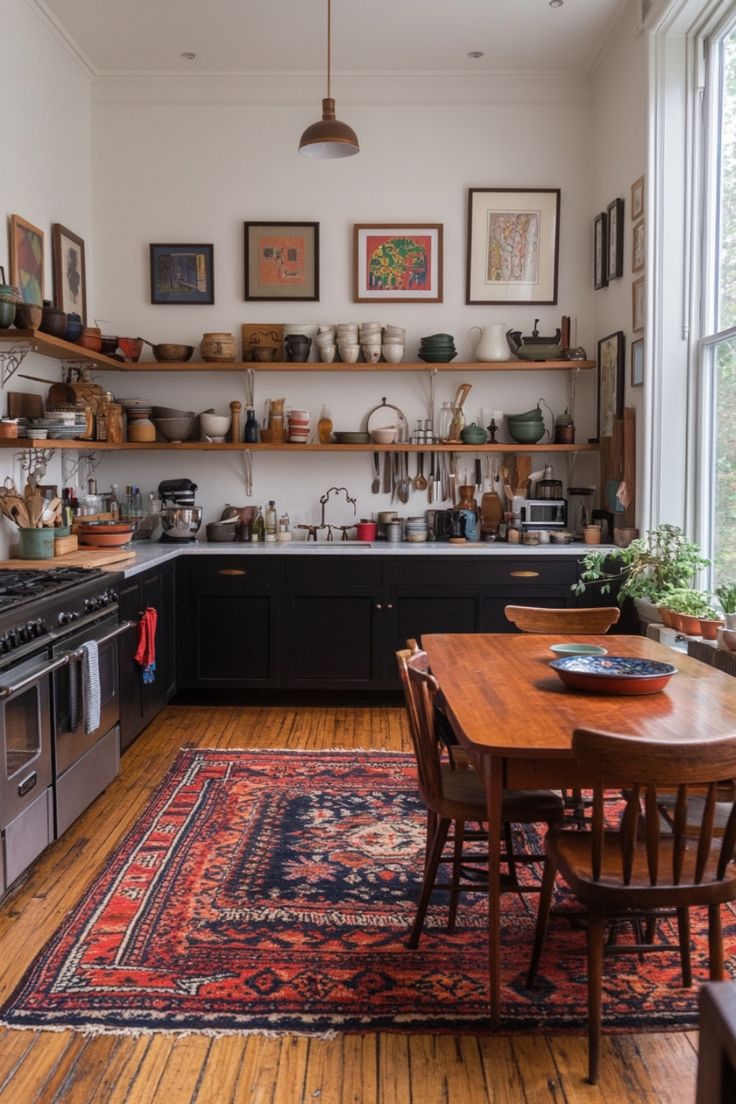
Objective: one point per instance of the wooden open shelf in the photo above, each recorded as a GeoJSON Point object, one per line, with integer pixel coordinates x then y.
{"type": "Point", "coordinates": [205, 446]}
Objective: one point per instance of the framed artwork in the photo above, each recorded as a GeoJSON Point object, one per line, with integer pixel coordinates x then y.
{"type": "Point", "coordinates": [637, 305]}
{"type": "Point", "coordinates": [637, 198]}
{"type": "Point", "coordinates": [397, 263]}
{"type": "Point", "coordinates": [600, 251]}
{"type": "Point", "coordinates": [282, 260]}
{"type": "Point", "coordinates": [615, 239]}
{"type": "Point", "coordinates": [637, 246]}
{"type": "Point", "coordinates": [637, 362]}
{"type": "Point", "coordinates": [182, 274]}
{"type": "Point", "coordinates": [610, 382]}
{"type": "Point", "coordinates": [26, 259]}
{"type": "Point", "coordinates": [67, 264]}
{"type": "Point", "coordinates": [513, 245]}
{"type": "Point", "coordinates": [2, 275]}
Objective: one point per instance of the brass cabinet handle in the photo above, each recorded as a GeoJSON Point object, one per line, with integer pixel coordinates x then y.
{"type": "Point", "coordinates": [378, 605]}
{"type": "Point", "coordinates": [231, 571]}
{"type": "Point", "coordinates": [524, 574]}
{"type": "Point", "coordinates": [389, 605]}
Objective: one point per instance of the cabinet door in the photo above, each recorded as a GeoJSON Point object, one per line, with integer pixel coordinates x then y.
{"type": "Point", "coordinates": [227, 617]}
{"type": "Point", "coordinates": [333, 636]}
{"type": "Point", "coordinates": [157, 590]}
{"type": "Point", "coordinates": [526, 582]}
{"type": "Point", "coordinates": [416, 610]}
{"type": "Point", "coordinates": [129, 673]}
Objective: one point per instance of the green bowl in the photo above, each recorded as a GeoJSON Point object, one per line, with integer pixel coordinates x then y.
{"type": "Point", "coordinates": [534, 415]}
{"type": "Point", "coordinates": [527, 433]}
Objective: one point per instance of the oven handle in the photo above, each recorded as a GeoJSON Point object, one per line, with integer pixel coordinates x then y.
{"type": "Point", "coordinates": [6, 691]}
{"type": "Point", "coordinates": [117, 631]}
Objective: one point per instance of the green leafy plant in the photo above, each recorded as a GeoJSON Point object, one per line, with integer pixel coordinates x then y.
{"type": "Point", "coordinates": [694, 603]}
{"type": "Point", "coordinates": [726, 595]}
{"type": "Point", "coordinates": [662, 561]}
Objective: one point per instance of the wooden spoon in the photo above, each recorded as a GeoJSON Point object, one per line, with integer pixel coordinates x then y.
{"type": "Point", "coordinates": [420, 483]}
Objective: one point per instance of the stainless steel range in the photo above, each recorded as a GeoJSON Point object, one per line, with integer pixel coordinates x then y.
{"type": "Point", "coordinates": [59, 707]}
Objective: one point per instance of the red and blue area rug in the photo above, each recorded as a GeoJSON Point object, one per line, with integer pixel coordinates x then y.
{"type": "Point", "coordinates": [273, 891]}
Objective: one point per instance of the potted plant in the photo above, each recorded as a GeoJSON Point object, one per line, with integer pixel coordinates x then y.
{"type": "Point", "coordinates": [647, 570]}
{"type": "Point", "coordinates": [726, 595]}
{"type": "Point", "coordinates": [693, 613]}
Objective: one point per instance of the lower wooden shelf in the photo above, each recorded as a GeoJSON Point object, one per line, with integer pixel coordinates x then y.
{"type": "Point", "coordinates": [205, 446]}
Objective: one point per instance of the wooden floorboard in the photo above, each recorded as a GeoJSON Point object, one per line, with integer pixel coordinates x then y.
{"type": "Point", "coordinates": [39, 1067]}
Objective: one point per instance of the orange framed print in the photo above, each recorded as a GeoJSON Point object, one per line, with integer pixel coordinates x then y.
{"type": "Point", "coordinates": [397, 263]}
{"type": "Point", "coordinates": [26, 259]}
{"type": "Point", "coordinates": [282, 260]}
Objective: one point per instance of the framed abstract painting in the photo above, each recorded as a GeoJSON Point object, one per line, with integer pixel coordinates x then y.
{"type": "Point", "coordinates": [513, 245]}
{"type": "Point", "coordinates": [26, 259]}
{"type": "Point", "coordinates": [282, 260]}
{"type": "Point", "coordinates": [67, 262]}
{"type": "Point", "coordinates": [182, 274]}
{"type": "Point", "coordinates": [611, 382]}
{"type": "Point", "coordinates": [397, 263]}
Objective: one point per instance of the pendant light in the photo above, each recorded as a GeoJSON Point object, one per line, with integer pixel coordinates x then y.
{"type": "Point", "coordinates": [329, 137]}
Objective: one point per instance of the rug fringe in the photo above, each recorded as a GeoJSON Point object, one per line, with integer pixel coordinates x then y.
{"type": "Point", "coordinates": [91, 1030]}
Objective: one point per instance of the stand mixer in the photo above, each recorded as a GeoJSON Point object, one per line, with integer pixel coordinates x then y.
{"type": "Point", "coordinates": [180, 518]}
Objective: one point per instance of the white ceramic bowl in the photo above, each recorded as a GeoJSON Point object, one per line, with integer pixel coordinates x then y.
{"type": "Point", "coordinates": [349, 353]}
{"type": "Point", "coordinates": [392, 353]}
{"type": "Point", "coordinates": [727, 640]}
{"type": "Point", "coordinates": [371, 353]}
{"type": "Point", "coordinates": [384, 436]}
{"type": "Point", "coordinates": [327, 353]}
{"type": "Point", "coordinates": [214, 425]}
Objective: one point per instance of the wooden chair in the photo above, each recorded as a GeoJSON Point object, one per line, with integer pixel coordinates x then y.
{"type": "Point", "coordinates": [568, 621]}
{"type": "Point", "coordinates": [454, 798]}
{"type": "Point", "coordinates": [641, 867]}
{"type": "Point", "coordinates": [574, 622]}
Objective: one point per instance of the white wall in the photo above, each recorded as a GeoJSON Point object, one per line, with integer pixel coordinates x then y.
{"type": "Point", "coordinates": [46, 172]}
{"type": "Point", "coordinates": [619, 157]}
{"type": "Point", "coordinates": [173, 164]}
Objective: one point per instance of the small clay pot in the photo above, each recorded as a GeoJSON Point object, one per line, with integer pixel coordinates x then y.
{"type": "Point", "coordinates": [28, 316]}
{"type": "Point", "coordinates": [91, 338]}
{"type": "Point", "coordinates": [54, 320]}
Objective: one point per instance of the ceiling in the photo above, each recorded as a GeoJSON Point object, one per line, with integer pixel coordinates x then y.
{"type": "Point", "coordinates": [289, 36]}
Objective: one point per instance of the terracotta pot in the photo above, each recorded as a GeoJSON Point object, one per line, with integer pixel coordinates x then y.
{"type": "Point", "coordinates": [690, 625]}
{"type": "Point", "coordinates": [666, 614]}
{"type": "Point", "coordinates": [91, 338]}
{"type": "Point", "coordinates": [709, 628]}
{"type": "Point", "coordinates": [676, 621]}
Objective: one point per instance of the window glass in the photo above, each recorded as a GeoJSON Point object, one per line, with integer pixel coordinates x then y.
{"type": "Point", "coordinates": [727, 197]}
{"type": "Point", "coordinates": [724, 529]}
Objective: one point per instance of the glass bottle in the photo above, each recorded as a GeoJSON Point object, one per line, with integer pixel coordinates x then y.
{"type": "Point", "coordinates": [271, 522]}
{"type": "Point", "coordinates": [250, 430]}
{"type": "Point", "coordinates": [114, 502]}
{"type": "Point", "coordinates": [444, 421]}
{"type": "Point", "coordinates": [324, 426]}
{"type": "Point", "coordinates": [257, 529]}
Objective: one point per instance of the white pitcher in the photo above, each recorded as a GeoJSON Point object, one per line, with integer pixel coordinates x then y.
{"type": "Point", "coordinates": [492, 343]}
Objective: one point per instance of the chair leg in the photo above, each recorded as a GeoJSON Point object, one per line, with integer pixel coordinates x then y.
{"type": "Point", "coordinates": [683, 932]}
{"type": "Point", "coordinates": [545, 900]}
{"type": "Point", "coordinates": [715, 943]}
{"type": "Point", "coordinates": [508, 840]}
{"type": "Point", "coordinates": [457, 859]}
{"type": "Point", "coordinates": [430, 873]}
{"type": "Point", "coordinates": [595, 991]}
{"type": "Point", "coordinates": [431, 829]}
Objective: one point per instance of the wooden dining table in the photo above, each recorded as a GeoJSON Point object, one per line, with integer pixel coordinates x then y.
{"type": "Point", "coordinates": [514, 716]}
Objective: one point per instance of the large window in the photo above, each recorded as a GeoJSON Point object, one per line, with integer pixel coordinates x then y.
{"type": "Point", "coordinates": [719, 313]}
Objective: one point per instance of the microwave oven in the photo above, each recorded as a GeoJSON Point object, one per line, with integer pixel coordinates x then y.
{"type": "Point", "coordinates": [543, 513]}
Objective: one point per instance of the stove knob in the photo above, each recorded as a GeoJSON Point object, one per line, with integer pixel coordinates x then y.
{"type": "Point", "coordinates": [89, 604]}
{"type": "Point", "coordinates": [113, 594]}
{"type": "Point", "coordinates": [39, 627]}
{"type": "Point", "coordinates": [64, 618]}
{"type": "Point", "coordinates": [4, 643]}
{"type": "Point", "coordinates": [12, 639]}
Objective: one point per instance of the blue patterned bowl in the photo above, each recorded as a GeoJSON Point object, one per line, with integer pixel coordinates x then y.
{"type": "Point", "coordinates": [614, 674]}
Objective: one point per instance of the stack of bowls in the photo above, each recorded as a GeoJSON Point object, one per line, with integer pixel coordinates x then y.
{"type": "Point", "coordinates": [394, 342]}
{"type": "Point", "coordinates": [140, 427]}
{"type": "Point", "coordinates": [527, 428]}
{"type": "Point", "coordinates": [416, 530]}
{"type": "Point", "coordinates": [370, 341]}
{"type": "Point", "coordinates": [174, 425]}
{"type": "Point", "coordinates": [299, 424]}
{"type": "Point", "coordinates": [326, 347]}
{"type": "Point", "coordinates": [437, 349]}
{"type": "Point", "coordinates": [347, 341]}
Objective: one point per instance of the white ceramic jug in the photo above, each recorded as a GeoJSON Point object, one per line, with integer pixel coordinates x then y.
{"type": "Point", "coordinates": [492, 343]}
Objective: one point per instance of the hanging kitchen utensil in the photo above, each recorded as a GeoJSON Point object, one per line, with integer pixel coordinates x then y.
{"type": "Point", "coordinates": [420, 483]}
{"type": "Point", "coordinates": [388, 476]}
{"type": "Point", "coordinates": [376, 484]}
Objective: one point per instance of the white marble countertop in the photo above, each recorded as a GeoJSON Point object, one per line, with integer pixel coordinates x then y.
{"type": "Point", "coordinates": [149, 555]}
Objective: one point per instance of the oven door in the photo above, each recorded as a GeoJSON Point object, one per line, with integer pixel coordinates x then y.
{"type": "Point", "coordinates": [25, 735]}
{"type": "Point", "coordinates": [71, 740]}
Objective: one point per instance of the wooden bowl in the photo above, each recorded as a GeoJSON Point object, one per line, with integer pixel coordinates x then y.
{"type": "Point", "coordinates": [171, 353]}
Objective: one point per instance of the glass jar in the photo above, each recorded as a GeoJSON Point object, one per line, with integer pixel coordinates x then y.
{"type": "Point", "coordinates": [324, 426]}
{"type": "Point", "coordinates": [444, 421]}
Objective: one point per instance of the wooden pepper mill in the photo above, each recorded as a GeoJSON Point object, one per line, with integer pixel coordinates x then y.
{"type": "Point", "coordinates": [235, 430]}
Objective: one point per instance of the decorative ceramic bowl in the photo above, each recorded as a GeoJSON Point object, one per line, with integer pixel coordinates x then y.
{"type": "Point", "coordinates": [613, 674]}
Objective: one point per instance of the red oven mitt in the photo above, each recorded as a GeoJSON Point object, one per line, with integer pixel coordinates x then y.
{"type": "Point", "coordinates": [145, 655]}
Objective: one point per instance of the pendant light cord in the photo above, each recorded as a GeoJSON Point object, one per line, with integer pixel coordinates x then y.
{"type": "Point", "coordinates": [329, 48]}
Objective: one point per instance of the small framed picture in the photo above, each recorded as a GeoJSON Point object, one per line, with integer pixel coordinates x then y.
{"type": "Point", "coordinates": [615, 239]}
{"type": "Point", "coordinates": [637, 362]}
{"type": "Point", "coordinates": [513, 245]}
{"type": "Point", "coordinates": [67, 263]}
{"type": "Point", "coordinates": [26, 259]}
{"type": "Point", "coordinates": [2, 275]}
{"type": "Point", "coordinates": [600, 251]}
{"type": "Point", "coordinates": [182, 274]}
{"type": "Point", "coordinates": [610, 382]}
{"type": "Point", "coordinates": [397, 263]}
{"type": "Point", "coordinates": [637, 198]}
{"type": "Point", "coordinates": [282, 260]}
{"type": "Point", "coordinates": [637, 246]}
{"type": "Point", "coordinates": [637, 305]}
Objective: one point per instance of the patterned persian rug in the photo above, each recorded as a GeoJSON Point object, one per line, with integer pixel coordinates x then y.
{"type": "Point", "coordinates": [273, 891]}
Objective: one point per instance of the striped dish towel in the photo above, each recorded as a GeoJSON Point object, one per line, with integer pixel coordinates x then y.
{"type": "Point", "coordinates": [91, 685]}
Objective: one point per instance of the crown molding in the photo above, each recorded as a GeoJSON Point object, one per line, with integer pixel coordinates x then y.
{"type": "Point", "coordinates": [294, 89]}
{"type": "Point", "coordinates": [62, 37]}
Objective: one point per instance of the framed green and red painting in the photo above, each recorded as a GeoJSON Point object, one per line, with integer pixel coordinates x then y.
{"type": "Point", "coordinates": [400, 263]}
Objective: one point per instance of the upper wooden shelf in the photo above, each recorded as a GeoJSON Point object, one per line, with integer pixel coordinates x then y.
{"type": "Point", "coordinates": [58, 349]}
{"type": "Point", "coordinates": [227, 446]}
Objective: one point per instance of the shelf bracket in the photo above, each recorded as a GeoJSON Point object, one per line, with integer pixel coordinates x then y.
{"type": "Point", "coordinates": [12, 358]}
{"type": "Point", "coordinates": [72, 461]}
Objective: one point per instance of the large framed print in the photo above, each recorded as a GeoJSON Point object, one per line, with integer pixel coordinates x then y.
{"type": "Point", "coordinates": [513, 245]}
{"type": "Point", "coordinates": [26, 259]}
{"type": "Point", "coordinates": [611, 370]}
{"type": "Point", "coordinates": [282, 260]}
{"type": "Point", "coordinates": [397, 263]}
{"type": "Point", "coordinates": [67, 263]}
{"type": "Point", "coordinates": [615, 239]}
{"type": "Point", "coordinates": [182, 274]}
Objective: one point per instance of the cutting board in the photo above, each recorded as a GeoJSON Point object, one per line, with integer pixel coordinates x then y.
{"type": "Point", "coordinates": [91, 558]}
{"type": "Point", "coordinates": [22, 404]}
